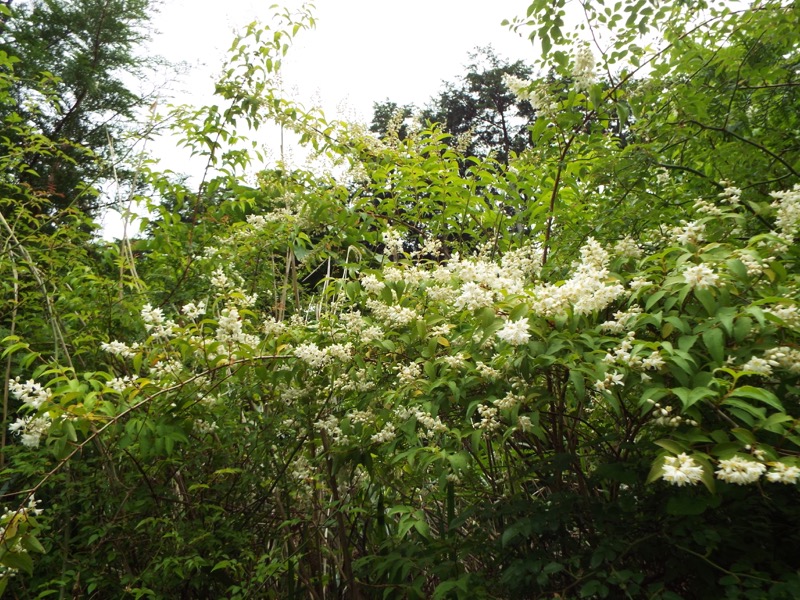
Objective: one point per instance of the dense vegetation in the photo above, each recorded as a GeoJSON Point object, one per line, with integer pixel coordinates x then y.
{"type": "Point", "coordinates": [564, 369]}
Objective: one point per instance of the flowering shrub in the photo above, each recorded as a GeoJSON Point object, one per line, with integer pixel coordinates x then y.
{"type": "Point", "coordinates": [435, 376]}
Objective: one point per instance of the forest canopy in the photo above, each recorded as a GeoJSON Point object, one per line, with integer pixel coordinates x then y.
{"type": "Point", "coordinates": [554, 361]}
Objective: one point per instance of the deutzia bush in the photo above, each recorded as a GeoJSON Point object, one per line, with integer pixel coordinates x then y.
{"type": "Point", "coordinates": [430, 374]}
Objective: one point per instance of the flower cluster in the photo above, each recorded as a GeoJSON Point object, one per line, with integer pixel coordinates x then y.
{"type": "Point", "coordinates": [784, 358]}
{"type": "Point", "coordinates": [787, 203]}
{"type": "Point", "coordinates": [318, 358]}
{"type": "Point", "coordinates": [731, 194]}
{"type": "Point", "coordinates": [740, 471]}
{"type": "Point", "coordinates": [431, 425]}
{"type": "Point", "coordinates": [681, 470]}
{"type": "Point", "coordinates": [537, 95]}
{"type": "Point", "coordinates": [688, 233]}
{"type": "Point", "coordinates": [665, 417]}
{"type": "Point", "coordinates": [787, 313]}
{"type": "Point", "coordinates": [700, 276]}
{"type": "Point", "coordinates": [783, 473]}
{"type": "Point", "coordinates": [627, 248]}
{"type": "Point", "coordinates": [409, 373]}
{"type": "Point", "coordinates": [194, 311]}
{"type": "Point", "coordinates": [31, 429]}
{"type": "Point", "coordinates": [684, 470]}
{"type": "Point", "coordinates": [622, 319]}
{"type": "Point", "coordinates": [583, 70]}
{"type": "Point", "coordinates": [393, 241]}
{"type": "Point", "coordinates": [120, 349]}
{"type": "Point", "coordinates": [230, 332]}
{"type": "Point", "coordinates": [155, 323]}
{"type": "Point", "coordinates": [760, 366]}
{"type": "Point", "coordinates": [394, 316]}
{"type": "Point", "coordinates": [515, 332]}
{"type": "Point", "coordinates": [588, 290]}
{"type": "Point", "coordinates": [30, 393]}
{"type": "Point", "coordinates": [518, 86]}
{"type": "Point", "coordinates": [489, 421]}
{"type": "Point", "coordinates": [754, 264]}
{"type": "Point", "coordinates": [387, 434]}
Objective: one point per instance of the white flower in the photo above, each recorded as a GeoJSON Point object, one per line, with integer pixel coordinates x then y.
{"type": "Point", "coordinates": [394, 316]}
{"type": "Point", "coordinates": [611, 380]}
{"type": "Point", "coordinates": [681, 470]}
{"type": "Point", "coordinates": [515, 332]}
{"type": "Point", "coordinates": [155, 323]}
{"type": "Point", "coordinates": [759, 366]}
{"type": "Point", "coordinates": [31, 394]}
{"type": "Point", "coordinates": [386, 434]}
{"type": "Point", "coordinates": [588, 289]}
{"type": "Point", "coordinates": [740, 471]}
{"type": "Point", "coordinates": [219, 279]}
{"type": "Point", "coordinates": [509, 401]}
{"type": "Point", "coordinates": [583, 69]}
{"type": "Point", "coordinates": [393, 241]}
{"type": "Point", "coordinates": [689, 233]}
{"type": "Point", "coordinates": [785, 358]}
{"type": "Point", "coordinates": [654, 361]}
{"type": "Point", "coordinates": [330, 425]}
{"type": "Point", "coordinates": [273, 328]}
{"type": "Point", "coordinates": [230, 330]}
{"type": "Point", "coordinates": [627, 248]}
{"type": "Point", "coordinates": [700, 276]}
{"type": "Point", "coordinates": [638, 283]}
{"type": "Point", "coordinates": [788, 204]}
{"type": "Point", "coordinates": [409, 373]}
{"type": "Point", "coordinates": [119, 349]}
{"type": "Point", "coordinates": [786, 313]}
{"type": "Point", "coordinates": [489, 420]}
{"type": "Point", "coordinates": [312, 355]}
{"type": "Point", "coordinates": [782, 473]}
{"type": "Point", "coordinates": [193, 311]}
{"type": "Point", "coordinates": [519, 87]}
{"type": "Point", "coordinates": [524, 423]}
{"type": "Point", "coordinates": [167, 368]}
{"type": "Point", "coordinates": [473, 296]}
{"type": "Point", "coordinates": [31, 430]}
{"type": "Point", "coordinates": [120, 384]}
{"type": "Point", "coordinates": [486, 371]}
{"type": "Point", "coordinates": [340, 352]}
{"type": "Point", "coordinates": [731, 194]}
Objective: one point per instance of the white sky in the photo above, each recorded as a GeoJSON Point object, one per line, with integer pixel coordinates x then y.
{"type": "Point", "coordinates": [360, 52]}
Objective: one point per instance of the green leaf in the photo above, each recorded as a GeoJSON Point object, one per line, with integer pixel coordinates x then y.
{"type": "Point", "coordinates": [714, 341]}
{"type": "Point", "coordinates": [671, 446]}
{"type": "Point", "coordinates": [760, 394]}
{"type": "Point", "coordinates": [18, 560]}
{"type": "Point", "coordinates": [688, 397]}
{"type": "Point", "coordinates": [519, 311]}
{"type": "Point", "coordinates": [31, 544]}
{"type": "Point", "coordinates": [706, 298]}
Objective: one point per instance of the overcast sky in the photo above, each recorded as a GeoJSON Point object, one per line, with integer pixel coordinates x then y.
{"type": "Point", "coordinates": [360, 52]}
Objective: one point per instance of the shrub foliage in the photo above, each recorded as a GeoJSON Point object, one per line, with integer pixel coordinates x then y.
{"type": "Point", "coordinates": [568, 373]}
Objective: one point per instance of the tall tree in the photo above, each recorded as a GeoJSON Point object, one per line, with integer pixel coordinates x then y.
{"type": "Point", "coordinates": [478, 109]}
{"type": "Point", "coordinates": [73, 84]}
